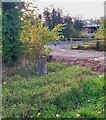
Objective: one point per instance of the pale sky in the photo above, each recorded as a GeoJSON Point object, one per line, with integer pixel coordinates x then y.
{"type": "Point", "coordinates": [85, 8]}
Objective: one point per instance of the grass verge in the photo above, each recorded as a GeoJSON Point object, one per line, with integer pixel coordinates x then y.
{"type": "Point", "coordinates": [66, 92]}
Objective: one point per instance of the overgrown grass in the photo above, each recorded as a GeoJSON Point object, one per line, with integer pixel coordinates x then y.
{"type": "Point", "coordinates": [66, 92]}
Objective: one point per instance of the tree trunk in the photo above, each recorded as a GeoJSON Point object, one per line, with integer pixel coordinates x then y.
{"type": "Point", "coordinates": [42, 66]}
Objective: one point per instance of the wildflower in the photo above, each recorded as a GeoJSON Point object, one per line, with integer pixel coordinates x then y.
{"type": "Point", "coordinates": [77, 115]}
{"type": "Point", "coordinates": [39, 114]}
{"type": "Point", "coordinates": [89, 100]}
{"type": "Point", "coordinates": [101, 76]}
{"type": "Point", "coordinates": [4, 83]}
{"type": "Point", "coordinates": [99, 112]}
{"type": "Point", "coordinates": [57, 115]}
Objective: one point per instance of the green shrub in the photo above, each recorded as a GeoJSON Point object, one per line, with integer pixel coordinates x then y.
{"type": "Point", "coordinates": [100, 45]}
{"type": "Point", "coordinates": [12, 46]}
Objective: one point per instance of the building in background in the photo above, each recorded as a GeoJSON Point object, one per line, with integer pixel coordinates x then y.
{"type": "Point", "coordinates": [90, 28]}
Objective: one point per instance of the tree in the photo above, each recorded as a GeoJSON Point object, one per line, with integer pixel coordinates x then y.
{"type": "Point", "coordinates": [78, 25]}
{"type": "Point", "coordinates": [56, 17]}
{"type": "Point", "coordinates": [48, 20]}
{"type": "Point", "coordinates": [35, 36]}
{"type": "Point", "coordinates": [11, 22]}
{"type": "Point", "coordinates": [6, 6]}
{"type": "Point", "coordinates": [68, 31]}
{"type": "Point", "coordinates": [101, 33]}
{"type": "Point", "coordinates": [53, 17]}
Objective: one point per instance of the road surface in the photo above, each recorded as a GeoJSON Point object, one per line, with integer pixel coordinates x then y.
{"type": "Point", "coordinates": [88, 58]}
{"type": "Point", "coordinates": [66, 51]}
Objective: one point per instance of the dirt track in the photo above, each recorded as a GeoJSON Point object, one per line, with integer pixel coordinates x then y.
{"type": "Point", "coordinates": [91, 59]}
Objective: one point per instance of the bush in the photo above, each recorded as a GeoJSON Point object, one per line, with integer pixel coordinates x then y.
{"type": "Point", "coordinates": [76, 34]}
{"type": "Point", "coordinates": [100, 46]}
{"type": "Point", "coordinates": [11, 35]}
{"type": "Point", "coordinates": [36, 36]}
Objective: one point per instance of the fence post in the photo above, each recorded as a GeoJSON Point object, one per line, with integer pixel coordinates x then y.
{"type": "Point", "coordinates": [71, 42]}
{"type": "Point", "coordinates": [42, 66]}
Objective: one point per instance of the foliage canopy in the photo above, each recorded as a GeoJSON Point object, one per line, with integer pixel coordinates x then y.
{"type": "Point", "coordinates": [35, 35]}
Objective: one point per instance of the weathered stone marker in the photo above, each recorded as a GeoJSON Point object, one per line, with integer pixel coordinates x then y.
{"type": "Point", "coordinates": [42, 66]}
